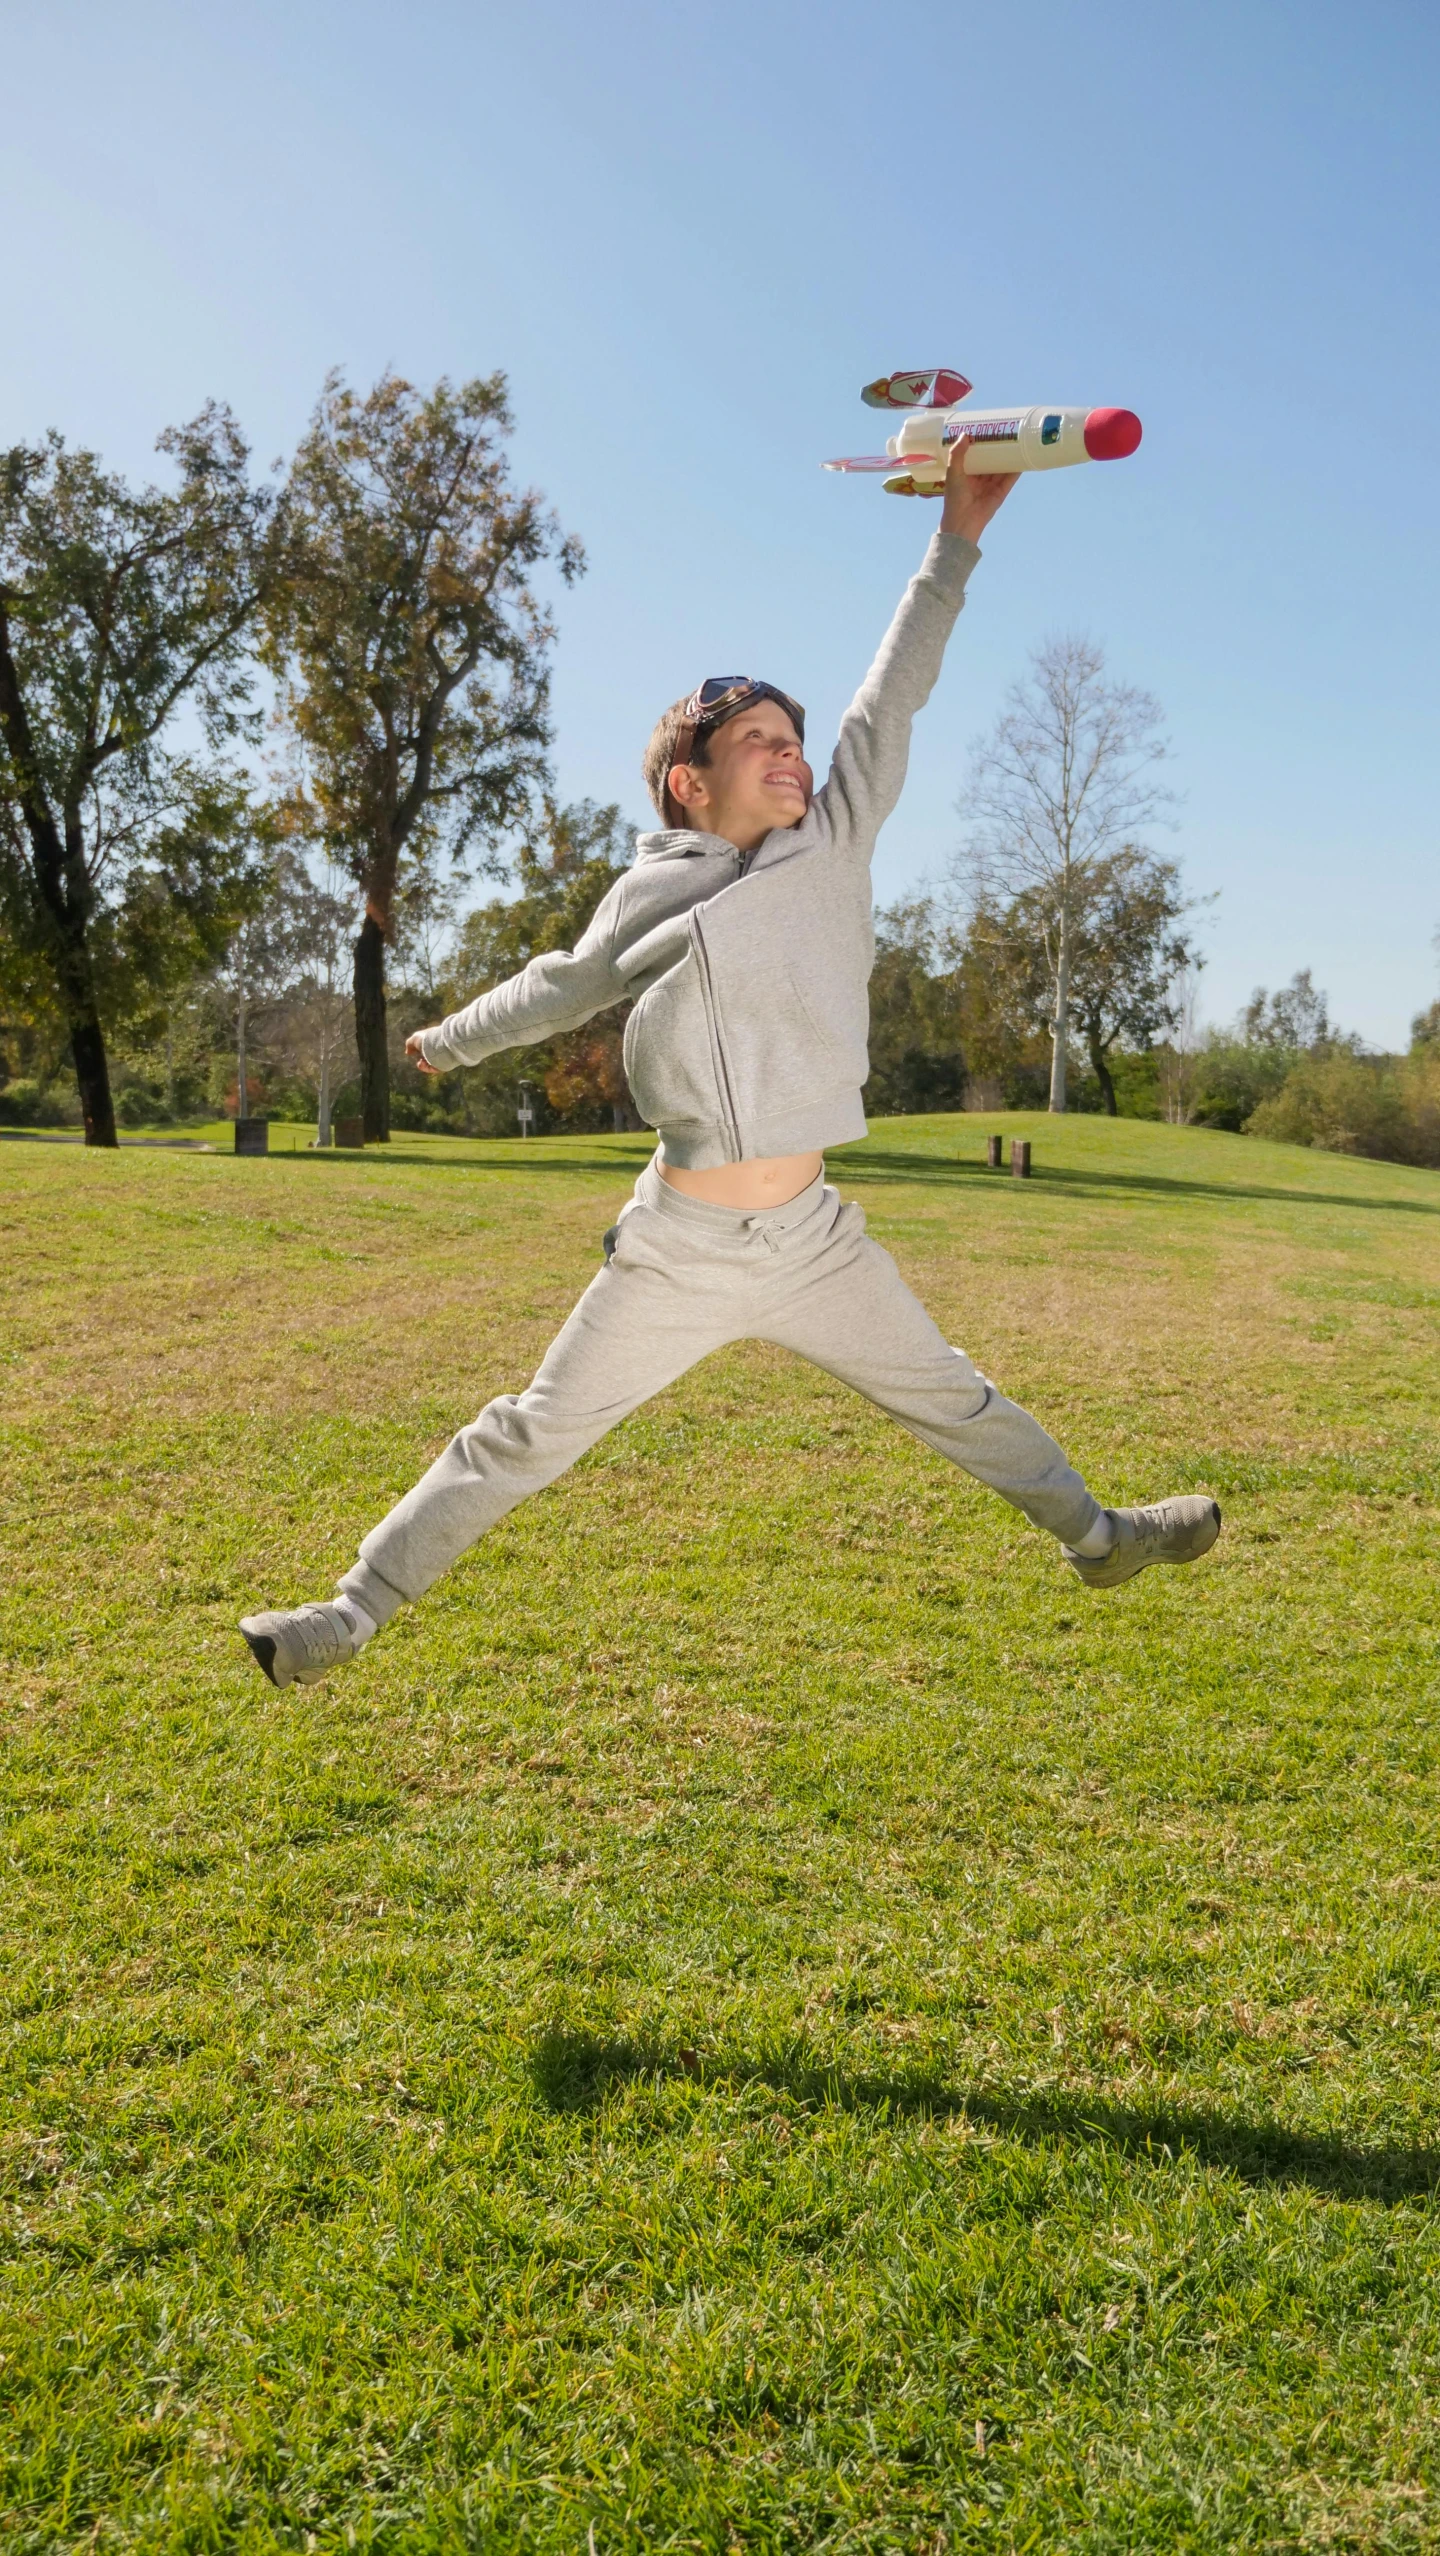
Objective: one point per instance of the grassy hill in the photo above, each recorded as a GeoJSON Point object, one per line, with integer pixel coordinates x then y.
{"type": "Point", "coordinates": [763, 2015]}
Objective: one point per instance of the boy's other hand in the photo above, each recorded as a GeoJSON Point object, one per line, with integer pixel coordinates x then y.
{"type": "Point", "coordinates": [415, 1053]}
{"type": "Point", "coordinates": [970, 503]}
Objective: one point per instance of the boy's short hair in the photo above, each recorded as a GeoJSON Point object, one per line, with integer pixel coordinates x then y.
{"type": "Point", "coordinates": [660, 755]}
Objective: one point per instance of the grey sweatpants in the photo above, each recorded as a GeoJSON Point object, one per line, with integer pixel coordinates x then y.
{"type": "Point", "coordinates": [682, 1278]}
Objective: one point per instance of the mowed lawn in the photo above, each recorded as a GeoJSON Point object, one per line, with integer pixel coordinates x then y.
{"type": "Point", "coordinates": [763, 2016]}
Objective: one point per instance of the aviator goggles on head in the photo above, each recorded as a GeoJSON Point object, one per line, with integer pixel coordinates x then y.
{"type": "Point", "coordinates": [717, 699]}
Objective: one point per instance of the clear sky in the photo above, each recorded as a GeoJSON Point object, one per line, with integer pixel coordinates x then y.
{"type": "Point", "coordinates": [689, 234]}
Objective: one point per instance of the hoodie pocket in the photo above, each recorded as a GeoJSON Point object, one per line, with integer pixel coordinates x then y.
{"type": "Point", "coordinates": [778, 1048]}
{"type": "Point", "coordinates": [667, 1054]}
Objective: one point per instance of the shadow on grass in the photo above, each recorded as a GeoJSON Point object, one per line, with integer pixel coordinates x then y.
{"type": "Point", "coordinates": [865, 1162]}
{"type": "Point", "coordinates": [575, 2071]}
{"type": "Point", "coordinates": [616, 1163]}
{"type": "Point", "coordinates": [888, 1164]}
{"type": "Point", "coordinates": [901, 1166]}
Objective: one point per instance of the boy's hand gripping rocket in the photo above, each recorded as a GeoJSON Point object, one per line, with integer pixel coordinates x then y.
{"type": "Point", "coordinates": [1000, 439]}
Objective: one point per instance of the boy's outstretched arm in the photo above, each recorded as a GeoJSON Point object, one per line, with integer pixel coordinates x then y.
{"type": "Point", "coordinates": [557, 991]}
{"type": "Point", "coordinates": [873, 748]}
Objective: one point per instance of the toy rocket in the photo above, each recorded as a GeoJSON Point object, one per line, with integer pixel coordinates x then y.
{"type": "Point", "coordinates": [1001, 439]}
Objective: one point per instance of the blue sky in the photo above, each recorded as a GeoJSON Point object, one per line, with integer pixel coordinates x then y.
{"type": "Point", "coordinates": [688, 235]}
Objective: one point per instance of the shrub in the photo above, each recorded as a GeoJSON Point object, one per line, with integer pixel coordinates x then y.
{"type": "Point", "coordinates": [415, 1113]}
{"type": "Point", "coordinates": [1230, 1078]}
{"type": "Point", "coordinates": [1349, 1104]}
{"type": "Point", "coordinates": [31, 1104]}
{"type": "Point", "coordinates": [1420, 1083]}
{"type": "Point", "coordinates": [1135, 1074]}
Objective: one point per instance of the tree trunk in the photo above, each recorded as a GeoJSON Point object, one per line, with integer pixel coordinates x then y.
{"type": "Point", "coordinates": [1060, 1028]}
{"type": "Point", "coordinates": [370, 1032]}
{"type": "Point", "coordinates": [242, 1079]}
{"type": "Point", "coordinates": [82, 1024]}
{"type": "Point", "coordinates": [322, 1129]}
{"type": "Point", "coordinates": [58, 867]}
{"type": "Point", "coordinates": [92, 1073]}
{"type": "Point", "coordinates": [1102, 1073]}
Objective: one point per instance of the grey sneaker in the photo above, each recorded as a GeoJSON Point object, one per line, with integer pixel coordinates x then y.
{"type": "Point", "coordinates": [300, 1649]}
{"type": "Point", "coordinates": [1168, 1531]}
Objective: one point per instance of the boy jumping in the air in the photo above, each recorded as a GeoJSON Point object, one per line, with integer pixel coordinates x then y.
{"type": "Point", "coordinates": [743, 937]}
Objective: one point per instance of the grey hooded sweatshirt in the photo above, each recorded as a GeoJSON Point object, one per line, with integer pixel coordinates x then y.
{"type": "Point", "coordinates": [748, 973]}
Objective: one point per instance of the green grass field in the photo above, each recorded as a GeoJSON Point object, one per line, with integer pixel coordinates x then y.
{"type": "Point", "coordinates": [763, 2016]}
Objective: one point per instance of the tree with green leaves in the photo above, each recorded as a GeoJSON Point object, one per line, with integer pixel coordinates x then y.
{"type": "Point", "coordinates": [1237, 1070]}
{"type": "Point", "coordinates": [1126, 950]}
{"type": "Point", "coordinates": [1295, 1017]}
{"type": "Point", "coordinates": [123, 859]}
{"type": "Point", "coordinates": [564, 866]}
{"type": "Point", "coordinates": [1066, 776]}
{"type": "Point", "coordinates": [917, 1012]}
{"type": "Point", "coordinates": [412, 649]}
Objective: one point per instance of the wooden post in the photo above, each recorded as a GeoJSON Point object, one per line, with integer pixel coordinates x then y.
{"type": "Point", "coordinates": [992, 1152]}
{"type": "Point", "coordinates": [1020, 1157]}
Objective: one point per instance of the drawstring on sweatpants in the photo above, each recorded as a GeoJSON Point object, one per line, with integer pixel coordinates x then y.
{"type": "Point", "coordinates": [754, 1226]}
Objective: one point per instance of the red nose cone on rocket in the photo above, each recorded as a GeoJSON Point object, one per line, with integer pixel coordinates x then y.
{"type": "Point", "coordinates": [1111, 433]}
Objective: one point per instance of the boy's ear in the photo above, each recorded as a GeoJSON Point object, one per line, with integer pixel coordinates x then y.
{"type": "Point", "coordinates": [686, 786]}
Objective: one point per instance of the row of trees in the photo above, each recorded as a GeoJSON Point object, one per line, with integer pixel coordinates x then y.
{"type": "Point", "coordinates": [385, 586]}
{"type": "Point", "coordinates": [439, 958]}
{"type": "Point", "coordinates": [270, 1028]}
{"type": "Point", "coordinates": [1285, 1070]}
{"type": "Point", "coordinates": [385, 589]}
{"type": "Point", "coordinates": [951, 1029]}
{"type": "Point", "coordinates": [166, 877]}
{"type": "Point", "coordinates": [962, 1001]}
{"type": "Point", "coordinates": [961, 1012]}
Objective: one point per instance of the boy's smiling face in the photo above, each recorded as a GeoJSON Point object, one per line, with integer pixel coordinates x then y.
{"type": "Point", "coordinates": [756, 778]}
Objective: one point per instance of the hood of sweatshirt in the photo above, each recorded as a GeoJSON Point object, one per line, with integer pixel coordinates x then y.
{"type": "Point", "coordinates": [682, 843]}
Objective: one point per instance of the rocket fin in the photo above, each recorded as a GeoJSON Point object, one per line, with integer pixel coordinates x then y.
{"type": "Point", "coordinates": [938, 387]}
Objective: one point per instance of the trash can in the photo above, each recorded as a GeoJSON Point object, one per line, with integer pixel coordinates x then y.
{"type": "Point", "coordinates": [350, 1131]}
{"type": "Point", "coordinates": [252, 1135]}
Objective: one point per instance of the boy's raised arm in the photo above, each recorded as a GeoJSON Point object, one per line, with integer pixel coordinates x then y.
{"type": "Point", "coordinates": [873, 748]}
{"type": "Point", "coordinates": [557, 991]}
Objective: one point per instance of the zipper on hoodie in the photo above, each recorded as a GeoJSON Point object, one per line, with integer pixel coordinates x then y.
{"type": "Point", "coordinates": [722, 1068]}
